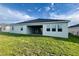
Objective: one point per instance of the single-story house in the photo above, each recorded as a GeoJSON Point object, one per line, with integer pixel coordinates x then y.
{"type": "Point", "coordinates": [46, 27]}
{"type": "Point", "coordinates": [74, 29]}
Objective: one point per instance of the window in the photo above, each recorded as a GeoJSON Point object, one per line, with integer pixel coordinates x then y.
{"type": "Point", "coordinates": [12, 28]}
{"type": "Point", "coordinates": [22, 29]}
{"type": "Point", "coordinates": [3, 28]}
{"type": "Point", "coordinates": [48, 29]}
{"type": "Point", "coordinates": [59, 28]}
{"type": "Point", "coordinates": [53, 27]}
{"type": "Point", "coordinates": [78, 33]}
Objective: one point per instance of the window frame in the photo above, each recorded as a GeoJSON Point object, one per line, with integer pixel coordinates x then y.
{"type": "Point", "coordinates": [4, 28]}
{"type": "Point", "coordinates": [21, 28]}
{"type": "Point", "coordinates": [60, 28]}
{"type": "Point", "coordinates": [53, 29]}
{"type": "Point", "coordinates": [47, 29]}
{"type": "Point", "coordinates": [12, 27]}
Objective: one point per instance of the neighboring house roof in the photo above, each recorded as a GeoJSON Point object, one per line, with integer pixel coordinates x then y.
{"type": "Point", "coordinates": [4, 24]}
{"type": "Point", "coordinates": [42, 20]}
{"type": "Point", "coordinates": [74, 26]}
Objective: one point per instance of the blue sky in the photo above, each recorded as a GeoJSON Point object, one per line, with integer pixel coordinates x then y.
{"type": "Point", "coordinates": [17, 12]}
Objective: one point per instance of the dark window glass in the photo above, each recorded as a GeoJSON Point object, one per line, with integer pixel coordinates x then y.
{"type": "Point", "coordinates": [53, 29]}
{"type": "Point", "coordinates": [4, 28]}
{"type": "Point", "coordinates": [21, 29]}
{"type": "Point", "coordinates": [60, 30]}
{"type": "Point", "coordinates": [12, 28]}
{"type": "Point", "coordinates": [48, 29]}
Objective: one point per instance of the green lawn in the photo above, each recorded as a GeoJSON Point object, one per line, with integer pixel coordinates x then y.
{"type": "Point", "coordinates": [19, 45]}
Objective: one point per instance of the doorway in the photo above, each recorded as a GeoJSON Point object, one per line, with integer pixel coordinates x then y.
{"type": "Point", "coordinates": [36, 29]}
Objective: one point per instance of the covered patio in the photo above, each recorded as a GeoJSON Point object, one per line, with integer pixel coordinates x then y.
{"type": "Point", "coordinates": [35, 29]}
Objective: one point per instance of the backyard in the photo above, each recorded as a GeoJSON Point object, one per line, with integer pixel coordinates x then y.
{"type": "Point", "coordinates": [37, 45]}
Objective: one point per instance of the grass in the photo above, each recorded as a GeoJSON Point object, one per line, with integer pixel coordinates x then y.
{"type": "Point", "coordinates": [37, 45]}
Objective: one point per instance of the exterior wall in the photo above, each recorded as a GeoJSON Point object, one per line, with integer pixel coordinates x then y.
{"type": "Point", "coordinates": [74, 30]}
{"type": "Point", "coordinates": [64, 32]}
{"type": "Point", "coordinates": [17, 29]}
{"type": "Point", "coordinates": [5, 28]}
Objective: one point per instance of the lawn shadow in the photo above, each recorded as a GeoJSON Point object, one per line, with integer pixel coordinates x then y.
{"type": "Point", "coordinates": [20, 35]}
{"type": "Point", "coordinates": [72, 38]}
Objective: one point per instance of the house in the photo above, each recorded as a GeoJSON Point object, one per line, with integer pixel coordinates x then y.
{"type": "Point", "coordinates": [74, 29]}
{"type": "Point", "coordinates": [46, 27]}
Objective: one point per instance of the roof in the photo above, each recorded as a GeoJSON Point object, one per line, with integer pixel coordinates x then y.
{"type": "Point", "coordinates": [74, 26]}
{"type": "Point", "coordinates": [3, 24]}
{"type": "Point", "coordinates": [42, 20]}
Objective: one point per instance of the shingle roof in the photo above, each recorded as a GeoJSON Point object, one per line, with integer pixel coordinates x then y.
{"type": "Point", "coordinates": [74, 26]}
{"type": "Point", "coordinates": [42, 20]}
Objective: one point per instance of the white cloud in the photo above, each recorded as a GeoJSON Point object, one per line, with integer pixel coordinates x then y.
{"type": "Point", "coordinates": [73, 17]}
{"type": "Point", "coordinates": [9, 15]}
{"type": "Point", "coordinates": [55, 16]}
{"type": "Point", "coordinates": [51, 7]}
{"type": "Point", "coordinates": [29, 10]}
{"type": "Point", "coordinates": [39, 9]}
{"type": "Point", "coordinates": [19, 15]}
{"type": "Point", "coordinates": [36, 8]}
{"type": "Point", "coordinates": [47, 8]}
{"type": "Point", "coordinates": [52, 4]}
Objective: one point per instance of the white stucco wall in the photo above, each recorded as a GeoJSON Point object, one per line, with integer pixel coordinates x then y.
{"type": "Point", "coordinates": [5, 28]}
{"type": "Point", "coordinates": [64, 32]}
{"type": "Point", "coordinates": [17, 29]}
